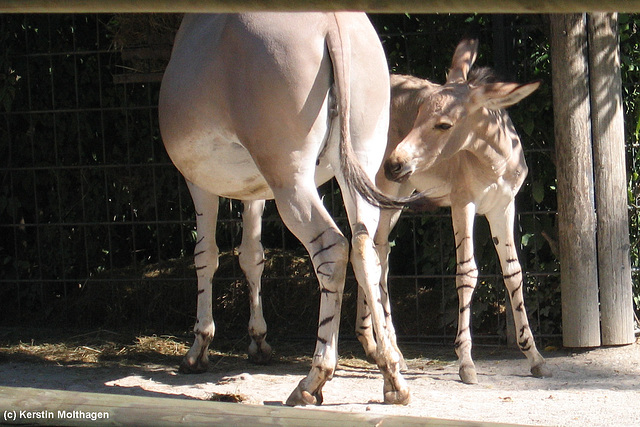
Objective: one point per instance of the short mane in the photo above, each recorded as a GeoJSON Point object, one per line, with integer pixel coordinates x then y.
{"type": "Point", "coordinates": [483, 75]}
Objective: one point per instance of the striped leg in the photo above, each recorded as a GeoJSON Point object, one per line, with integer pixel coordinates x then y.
{"type": "Point", "coordinates": [206, 262]}
{"type": "Point", "coordinates": [367, 268]}
{"type": "Point", "coordinates": [303, 213]}
{"type": "Point", "coordinates": [364, 330]}
{"type": "Point", "coordinates": [388, 220]}
{"type": "Point", "coordinates": [386, 303]}
{"type": "Point", "coordinates": [466, 279]}
{"type": "Point", "coordinates": [502, 221]}
{"type": "Point", "coordinates": [251, 257]}
{"type": "Point", "coordinates": [364, 327]}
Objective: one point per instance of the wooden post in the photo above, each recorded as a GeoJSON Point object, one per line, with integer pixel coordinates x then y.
{"type": "Point", "coordinates": [607, 121]}
{"type": "Point", "coordinates": [574, 161]}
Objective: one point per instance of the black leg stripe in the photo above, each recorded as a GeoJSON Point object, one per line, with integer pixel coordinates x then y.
{"type": "Point", "coordinates": [513, 293]}
{"type": "Point", "coordinates": [383, 290]}
{"type": "Point", "coordinates": [461, 241]}
{"type": "Point", "coordinates": [323, 250]}
{"type": "Point", "coordinates": [509, 276]}
{"type": "Point", "coordinates": [468, 273]}
{"type": "Point", "coordinates": [322, 265]}
{"type": "Point", "coordinates": [315, 239]}
{"type": "Point", "coordinates": [325, 321]}
{"type": "Point", "coordinates": [524, 328]}
{"type": "Point", "coordinates": [466, 261]}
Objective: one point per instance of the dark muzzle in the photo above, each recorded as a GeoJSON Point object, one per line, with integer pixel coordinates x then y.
{"type": "Point", "coordinates": [396, 170]}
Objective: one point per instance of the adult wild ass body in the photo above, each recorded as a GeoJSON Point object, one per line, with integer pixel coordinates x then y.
{"type": "Point", "coordinates": [456, 143]}
{"type": "Point", "coordinates": [270, 105]}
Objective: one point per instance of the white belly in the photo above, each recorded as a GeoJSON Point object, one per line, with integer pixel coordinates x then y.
{"type": "Point", "coordinates": [218, 163]}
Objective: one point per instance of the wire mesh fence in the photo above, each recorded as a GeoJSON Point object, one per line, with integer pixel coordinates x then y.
{"type": "Point", "coordinates": [98, 228]}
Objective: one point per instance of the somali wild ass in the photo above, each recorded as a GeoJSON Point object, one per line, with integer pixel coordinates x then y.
{"type": "Point", "coordinates": [270, 105]}
{"type": "Point", "coordinates": [457, 144]}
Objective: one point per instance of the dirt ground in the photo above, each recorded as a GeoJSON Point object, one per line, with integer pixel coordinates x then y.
{"type": "Point", "coordinates": [599, 387]}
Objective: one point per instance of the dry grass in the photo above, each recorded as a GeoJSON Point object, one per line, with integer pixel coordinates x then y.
{"type": "Point", "coordinates": [108, 348]}
{"type": "Point", "coordinates": [89, 350]}
{"type": "Point", "coordinates": [97, 347]}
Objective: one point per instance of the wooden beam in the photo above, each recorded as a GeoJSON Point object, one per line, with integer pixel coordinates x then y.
{"type": "Point", "coordinates": [379, 6]}
{"type": "Point", "coordinates": [574, 162]}
{"type": "Point", "coordinates": [71, 408]}
{"type": "Point", "coordinates": [607, 125]}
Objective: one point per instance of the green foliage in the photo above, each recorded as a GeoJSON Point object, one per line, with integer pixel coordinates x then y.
{"type": "Point", "coordinates": [630, 69]}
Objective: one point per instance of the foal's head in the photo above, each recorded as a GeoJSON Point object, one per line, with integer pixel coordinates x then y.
{"type": "Point", "coordinates": [465, 113]}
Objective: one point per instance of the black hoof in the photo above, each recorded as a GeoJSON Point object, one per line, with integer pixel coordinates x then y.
{"type": "Point", "coordinates": [541, 371]}
{"type": "Point", "coordinates": [260, 358]}
{"type": "Point", "coordinates": [193, 368]}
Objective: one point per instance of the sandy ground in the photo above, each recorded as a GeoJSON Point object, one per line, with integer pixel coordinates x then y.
{"type": "Point", "coordinates": [600, 387]}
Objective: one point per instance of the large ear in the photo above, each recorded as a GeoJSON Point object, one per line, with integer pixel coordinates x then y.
{"type": "Point", "coordinates": [495, 96]}
{"type": "Point", "coordinates": [463, 59]}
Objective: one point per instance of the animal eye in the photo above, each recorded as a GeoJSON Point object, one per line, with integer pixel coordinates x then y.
{"type": "Point", "coordinates": [443, 126]}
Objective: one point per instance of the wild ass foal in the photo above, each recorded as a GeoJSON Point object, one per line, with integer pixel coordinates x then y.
{"type": "Point", "coordinates": [456, 143]}
{"type": "Point", "coordinates": [270, 105]}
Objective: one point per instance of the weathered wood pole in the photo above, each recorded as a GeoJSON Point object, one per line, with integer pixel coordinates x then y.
{"type": "Point", "coordinates": [607, 126]}
{"type": "Point", "coordinates": [574, 162]}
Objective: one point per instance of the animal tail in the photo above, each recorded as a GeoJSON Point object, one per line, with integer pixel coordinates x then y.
{"type": "Point", "coordinates": [339, 46]}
